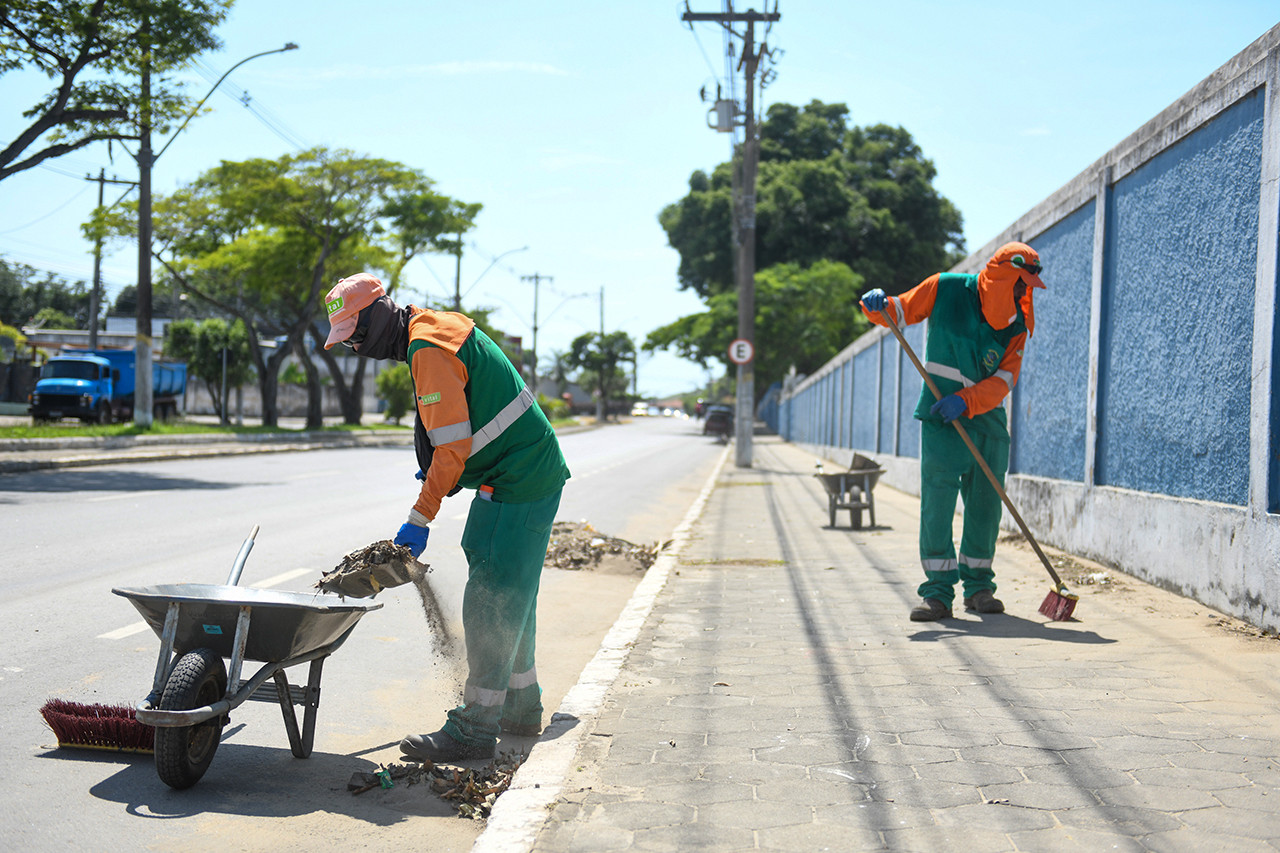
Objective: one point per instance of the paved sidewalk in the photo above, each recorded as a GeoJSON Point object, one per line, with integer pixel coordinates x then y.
{"type": "Point", "coordinates": [776, 697]}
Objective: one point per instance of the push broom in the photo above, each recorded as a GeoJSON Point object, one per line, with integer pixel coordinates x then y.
{"type": "Point", "coordinates": [1059, 604]}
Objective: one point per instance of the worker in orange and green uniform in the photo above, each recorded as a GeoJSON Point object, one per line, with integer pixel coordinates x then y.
{"type": "Point", "coordinates": [978, 326]}
{"type": "Point", "coordinates": [477, 427]}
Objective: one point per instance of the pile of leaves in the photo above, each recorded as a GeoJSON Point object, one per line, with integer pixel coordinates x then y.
{"type": "Point", "coordinates": [473, 791]}
{"type": "Point", "coordinates": [578, 545]}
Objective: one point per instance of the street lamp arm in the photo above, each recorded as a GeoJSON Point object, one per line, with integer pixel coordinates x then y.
{"type": "Point", "coordinates": [491, 265]}
{"type": "Point", "coordinates": [192, 114]}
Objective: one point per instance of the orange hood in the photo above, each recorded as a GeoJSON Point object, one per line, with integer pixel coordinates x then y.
{"type": "Point", "coordinates": [1011, 262]}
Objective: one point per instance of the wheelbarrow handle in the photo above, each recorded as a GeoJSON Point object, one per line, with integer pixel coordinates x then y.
{"type": "Point", "coordinates": [238, 566]}
{"type": "Point", "coordinates": [968, 442]}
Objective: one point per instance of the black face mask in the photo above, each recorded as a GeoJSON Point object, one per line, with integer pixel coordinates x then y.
{"type": "Point", "coordinates": [388, 335]}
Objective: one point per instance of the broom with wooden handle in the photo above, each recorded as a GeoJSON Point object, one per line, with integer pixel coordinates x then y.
{"type": "Point", "coordinates": [1059, 604]}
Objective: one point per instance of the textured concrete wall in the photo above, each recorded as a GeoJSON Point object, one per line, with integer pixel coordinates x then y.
{"type": "Point", "coordinates": [1049, 407]}
{"type": "Point", "coordinates": [1177, 314]}
{"type": "Point", "coordinates": [1146, 425]}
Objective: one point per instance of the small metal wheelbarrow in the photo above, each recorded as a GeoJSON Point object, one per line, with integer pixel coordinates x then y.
{"type": "Point", "coordinates": [198, 626]}
{"type": "Point", "coordinates": [851, 490]}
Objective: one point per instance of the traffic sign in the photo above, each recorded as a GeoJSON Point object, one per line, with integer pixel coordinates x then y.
{"type": "Point", "coordinates": [741, 351]}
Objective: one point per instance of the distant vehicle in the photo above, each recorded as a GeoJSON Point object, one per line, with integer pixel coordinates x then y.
{"type": "Point", "coordinates": [718, 422]}
{"type": "Point", "coordinates": [97, 386]}
{"type": "Point", "coordinates": [639, 410]}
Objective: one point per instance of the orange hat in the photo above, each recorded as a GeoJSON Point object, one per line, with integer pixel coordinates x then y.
{"type": "Point", "coordinates": [344, 303]}
{"type": "Point", "coordinates": [1011, 262]}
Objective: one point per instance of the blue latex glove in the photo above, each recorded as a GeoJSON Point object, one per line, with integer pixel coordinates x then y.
{"type": "Point", "coordinates": [875, 300]}
{"type": "Point", "coordinates": [949, 407]}
{"type": "Point", "coordinates": [420, 476]}
{"type": "Point", "coordinates": [414, 537]}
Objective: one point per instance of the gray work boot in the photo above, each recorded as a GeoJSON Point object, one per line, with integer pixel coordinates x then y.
{"type": "Point", "coordinates": [439, 746]}
{"type": "Point", "coordinates": [983, 601]}
{"type": "Point", "coordinates": [930, 610]}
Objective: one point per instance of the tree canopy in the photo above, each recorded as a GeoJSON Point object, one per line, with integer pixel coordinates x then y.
{"type": "Point", "coordinates": [839, 209]}
{"type": "Point", "coordinates": [93, 53]}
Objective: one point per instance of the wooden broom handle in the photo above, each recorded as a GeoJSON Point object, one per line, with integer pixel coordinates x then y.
{"type": "Point", "coordinates": [982, 463]}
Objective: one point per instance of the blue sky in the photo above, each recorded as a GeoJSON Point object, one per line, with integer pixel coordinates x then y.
{"type": "Point", "coordinates": [576, 122]}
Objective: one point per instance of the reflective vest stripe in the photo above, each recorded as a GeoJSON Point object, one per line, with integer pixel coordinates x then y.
{"type": "Point", "coordinates": [509, 415]}
{"type": "Point", "coordinates": [946, 371]}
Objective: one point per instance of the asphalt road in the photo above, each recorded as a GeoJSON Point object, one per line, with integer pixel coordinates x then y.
{"type": "Point", "coordinates": [71, 536]}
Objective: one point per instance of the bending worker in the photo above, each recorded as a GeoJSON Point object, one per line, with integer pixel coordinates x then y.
{"type": "Point", "coordinates": [477, 427]}
{"type": "Point", "coordinates": [978, 326]}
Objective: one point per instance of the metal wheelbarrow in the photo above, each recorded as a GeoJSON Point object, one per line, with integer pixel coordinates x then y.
{"type": "Point", "coordinates": [851, 490]}
{"type": "Point", "coordinates": [199, 625]}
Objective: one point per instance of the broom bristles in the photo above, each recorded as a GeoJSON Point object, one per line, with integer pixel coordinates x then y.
{"type": "Point", "coordinates": [1058, 605]}
{"type": "Point", "coordinates": [113, 727]}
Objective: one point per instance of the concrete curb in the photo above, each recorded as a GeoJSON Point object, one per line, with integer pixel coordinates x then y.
{"type": "Point", "coordinates": [519, 814]}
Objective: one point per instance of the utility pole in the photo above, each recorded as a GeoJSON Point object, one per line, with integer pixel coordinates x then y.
{"type": "Point", "coordinates": [537, 279]}
{"type": "Point", "coordinates": [95, 296]}
{"type": "Point", "coordinates": [744, 418]}
{"type": "Point", "coordinates": [143, 392]}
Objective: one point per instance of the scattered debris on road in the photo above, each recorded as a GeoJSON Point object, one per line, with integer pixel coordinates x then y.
{"type": "Point", "coordinates": [578, 545]}
{"type": "Point", "coordinates": [473, 791]}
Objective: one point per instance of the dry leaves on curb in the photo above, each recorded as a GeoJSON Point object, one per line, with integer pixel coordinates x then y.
{"type": "Point", "coordinates": [578, 545]}
{"type": "Point", "coordinates": [473, 791]}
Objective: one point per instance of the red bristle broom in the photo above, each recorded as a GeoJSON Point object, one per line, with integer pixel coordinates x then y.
{"type": "Point", "coordinates": [109, 727]}
{"type": "Point", "coordinates": [1059, 604]}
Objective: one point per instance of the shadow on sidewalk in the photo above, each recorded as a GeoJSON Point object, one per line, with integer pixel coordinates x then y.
{"type": "Point", "coordinates": [1012, 627]}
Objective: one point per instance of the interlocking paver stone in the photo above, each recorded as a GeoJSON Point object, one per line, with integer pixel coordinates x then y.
{"type": "Point", "coordinates": [809, 713]}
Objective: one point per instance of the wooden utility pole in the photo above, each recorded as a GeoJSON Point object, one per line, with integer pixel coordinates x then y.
{"type": "Point", "coordinates": [744, 418]}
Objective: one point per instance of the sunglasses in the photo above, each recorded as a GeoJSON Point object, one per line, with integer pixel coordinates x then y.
{"type": "Point", "coordinates": [1021, 263]}
{"type": "Point", "coordinates": [362, 328]}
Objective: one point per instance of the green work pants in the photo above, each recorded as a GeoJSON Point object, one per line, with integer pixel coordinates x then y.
{"type": "Point", "coordinates": [948, 469]}
{"type": "Point", "coordinates": [505, 545]}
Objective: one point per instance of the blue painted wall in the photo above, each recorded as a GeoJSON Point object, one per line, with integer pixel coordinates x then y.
{"type": "Point", "coordinates": [1050, 400]}
{"type": "Point", "coordinates": [865, 365]}
{"type": "Point", "coordinates": [1177, 318]}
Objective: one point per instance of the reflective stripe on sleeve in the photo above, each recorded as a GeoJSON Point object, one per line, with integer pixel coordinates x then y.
{"type": "Point", "coordinates": [510, 414]}
{"type": "Point", "coordinates": [449, 432]}
{"type": "Point", "coordinates": [1007, 376]}
{"type": "Point", "coordinates": [948, 372]}
{"type": "Point", "coordinates": [899, 316]}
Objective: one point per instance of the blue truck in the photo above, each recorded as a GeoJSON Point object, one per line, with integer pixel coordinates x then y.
{"type": "Point", "coordinates": [97, 386]}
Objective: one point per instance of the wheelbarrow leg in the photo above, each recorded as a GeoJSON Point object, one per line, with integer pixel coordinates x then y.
{"type": "Point", "coordinates": [300, 742]}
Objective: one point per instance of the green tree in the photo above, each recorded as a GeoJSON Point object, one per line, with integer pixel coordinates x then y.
{"type": "Point", "coordinates": [93, 53]}
{"type": "Point", "coordinates": [826, 191]}
{"type": "Point", "coordinates": [395, 385]}
{"type": "Point", "coordinates": [208, 347]}
{"type": "Point", "coordinates": [793, 306]}
{"type": "Point", "coordinates": [601, 360]}
{"type": "Point", "coordinates": [24, 291]}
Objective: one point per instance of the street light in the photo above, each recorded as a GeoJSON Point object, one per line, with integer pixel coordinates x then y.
{"type": "Point", "coordinates": [142, 415]}
{"type": "Point", "coordinates": [458, 301]}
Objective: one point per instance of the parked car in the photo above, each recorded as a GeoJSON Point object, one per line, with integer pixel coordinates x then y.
{"type": "Point", "coordinates": [639, 410]}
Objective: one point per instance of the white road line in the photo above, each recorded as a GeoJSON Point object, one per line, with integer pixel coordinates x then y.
{"type": "Point", "coordinates": [123, 495]}
{"type": "Point", "coordinates": [139, 627]}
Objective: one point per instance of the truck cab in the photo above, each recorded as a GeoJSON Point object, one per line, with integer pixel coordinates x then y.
{"type": "Point", "coordinates": [74, 385]}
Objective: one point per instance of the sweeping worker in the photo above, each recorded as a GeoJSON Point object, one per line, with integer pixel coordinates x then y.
{"type": "Point", "coordinates": [978, 326]}
{"type": "Point", "coordinates": [477, 427]}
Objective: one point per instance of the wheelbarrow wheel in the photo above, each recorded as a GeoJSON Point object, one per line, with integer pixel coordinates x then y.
{"type": "Point", "coordinates": [183, 753]}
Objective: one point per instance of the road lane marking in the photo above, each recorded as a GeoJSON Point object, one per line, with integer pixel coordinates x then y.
{"type": "Point", "coordinates": [122, 495]}
{"type": "Point", "coordinates": [139, 627]}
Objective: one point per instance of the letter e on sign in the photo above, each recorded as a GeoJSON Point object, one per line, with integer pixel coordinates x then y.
{"type": "Point", "coordinates": [741, 351]}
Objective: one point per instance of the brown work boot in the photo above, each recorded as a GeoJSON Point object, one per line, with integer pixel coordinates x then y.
{"type": "Point", "coordinates": [983, 601]}
{"type": "Point", "coordinates": [930, 610]}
